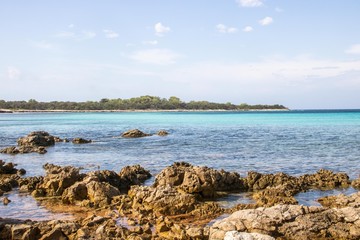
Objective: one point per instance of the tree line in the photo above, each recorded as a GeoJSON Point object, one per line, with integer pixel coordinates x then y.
{"type": "Point", "coordinates": [137, 103]}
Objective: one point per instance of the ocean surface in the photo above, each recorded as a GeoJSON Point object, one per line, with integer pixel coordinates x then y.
{"type": "Point", "coordinates": [294, 142]}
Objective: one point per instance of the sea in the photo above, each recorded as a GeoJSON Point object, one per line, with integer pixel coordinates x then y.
{"type": "Point", "coordinates": [295, 142]}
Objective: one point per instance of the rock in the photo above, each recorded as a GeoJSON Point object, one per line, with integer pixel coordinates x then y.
{"type": "Point", "coordinates": [134, 133]}
{"type": "Point", "coordinates": [55, 234]}
{"type": "Point", "coordinates": [80, 141]}
{"type": "Point", "coordinates": [96, 189]}
{"type": "Point", "coordinates": [162, 133]}
{"type": "Point", "coordinates": [324, 179]}
{"type": "Point", "coordinates": [203, 181]}
{"type": "Point", "coordinates": [23, 149]}
{"type": "Point", "coordinates": [162, 200]}
{"type": "Point", "coordinates": [6, 201]}
{"type": "Point", "coordinates": [235, 235]}
{"type": "Point", "coordinates": [58, 139]}
{"type": "Point", "coordinates": [356, 183]}
{"type": "Point", "coordinates": [9, 168]}
{"type": "Point", "coordinates": [292, 222]}
{"type": "Point", "coordinates": [281, 194]}
{"type": "Point", "coordinates": [133, 175]}
{"type": "Point", "coordinates": [57, 179]}
{"type": "Point", "coordinates": [37, 139]}
{"type": "Point", "coordinates": [341, 201]}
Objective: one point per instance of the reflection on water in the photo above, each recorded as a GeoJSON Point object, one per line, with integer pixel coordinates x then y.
{"type": "Point", "coordinates": [233, 199]}
{"type": "Point", "coordinates": [24, 206]}
{"type": "Point", "coordinates": [309, 198]}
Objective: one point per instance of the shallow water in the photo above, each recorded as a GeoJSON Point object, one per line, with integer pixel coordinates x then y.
{"type": "Point", "coordinates": [294, 142]}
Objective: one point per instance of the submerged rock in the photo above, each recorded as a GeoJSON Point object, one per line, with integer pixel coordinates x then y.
{"type": "Point", "coordinates": [134, 133]}
{"type": "Point", "coordinates": [203, 181]}
{"type": "Point", "coordinates": [162, 133]}
{"type": "Point", "coordinates": [80, 141]}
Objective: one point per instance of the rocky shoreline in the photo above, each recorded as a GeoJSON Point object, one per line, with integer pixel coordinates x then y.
{"type": "Point", "coordinates": [182, 203]}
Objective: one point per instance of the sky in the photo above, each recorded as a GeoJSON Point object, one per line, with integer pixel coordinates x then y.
{"type": "Point", "coordinates": [302, 54]}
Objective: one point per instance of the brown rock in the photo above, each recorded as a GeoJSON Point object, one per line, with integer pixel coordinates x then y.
{"type": "Point", "coordinates": [203, 181]}
{"type": "Point", "coordinates": [133, 175]}
{"type": "Point", "coordinates": [80, 141]}
{"type": "Point", "coordinates": [6, 201]}
{"type": "Point", "coordinates": [55, 234]}
{"type": "Point", "coordinates": [134, 133]}
{"type": "Point", "coordinates": [37, 139]}
{"type": "Point", "coordinates": [162, 133]}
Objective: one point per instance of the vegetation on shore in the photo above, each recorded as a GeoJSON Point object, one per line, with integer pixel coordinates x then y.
{"type": "Point", "coordinates": [137, 103]}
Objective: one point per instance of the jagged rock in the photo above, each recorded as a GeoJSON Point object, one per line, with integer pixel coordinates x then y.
{"type": "Point", "coordinates": [256, 181]}
{"type": "Point", "coordinates": [162, 200]}
{"type": "Point", "coordinates": [37, 139]}
{"type": "Point", "coordinates": [198, 180]}
{"type": "Point", "coordinates": [9, 168]}
{"type": "Point", "coordinates": [356, 183]}
{"type": "Point", "coordinates": [57, 179]}
{"type": "Point", "coordinates": [292, 222]}
{"type": "Point", "coordinates": [54, 234]}
{"type": "Point", "coordinates": [341, 201]}
{"type": "Point", "coordinates": [235, 235]}
{"type": "Point", "coordinates": [29, 184]}
{"type": "Point", "coordinates": [162, 133]}
{"type": "Point", "coordinates": [80, 141]}
{"type": "Point", "coordinates": [281, 194]}
{"type": "Point", "coordinates": [134, 133]}
{"type": "Point", "coordinates": [23, 149]}
{"type": "Point", "coordinates": [133, 175]}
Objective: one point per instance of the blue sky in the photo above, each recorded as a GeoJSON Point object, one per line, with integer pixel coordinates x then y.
{"type": "Point", "coordinates": [302, 54]}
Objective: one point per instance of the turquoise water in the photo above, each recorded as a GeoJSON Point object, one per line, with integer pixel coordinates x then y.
{"type": "Point", "coordinates": [294, 142]}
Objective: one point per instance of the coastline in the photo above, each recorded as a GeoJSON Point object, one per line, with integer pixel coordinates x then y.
{"type": "Point", "coordinates": [140, 110]}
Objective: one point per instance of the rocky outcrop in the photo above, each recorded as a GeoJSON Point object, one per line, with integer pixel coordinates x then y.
{"type": "Point", "coordinates": [80, 141]}
{"type": "Point", "coordinates": [292, 222]}
{"type": "Point", "coordinates": [203, 181]}
{"type": "Point", "coordinates": [33, 142]}
{"type": "Point", "coordinates": [341, 201]}
{"type": "Point", "coordinates": [280, 188]}
{"type": "Point", "coordinates": [9, 168]}
{"type": "Point", "coordinates": [37, 139]}
{"type": "Point", "coordinates": [57, 179]}
{"type": "Point", "coordinates": [134, 133]}
{"type": "Point", "coordinates": [235, 235]}
{"type": "Point", "coordinates": [93, 227]}
{"type": "Point", "coordinates": [133, 175]}
{"type": "Point", "coordinates": [162, 200]}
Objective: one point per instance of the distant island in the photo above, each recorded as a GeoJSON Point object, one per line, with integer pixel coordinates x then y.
{"type": "Point", "coordinates": [143, 103]}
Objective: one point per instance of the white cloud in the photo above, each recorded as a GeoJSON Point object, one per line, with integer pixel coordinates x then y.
{"type": "Point", "coordinates": [153, 42]}
{"type": "Point", "coordinates": [110, 33]}
{"type": "Point", "coordinates": [354, 49]}
{"type": "Point", "coordinates": [13, 73]}
{"type": "Point", "coordinates": [225, 29]}
{"type": "Point", "coordinates": [250, 3]}
{"type": "Point", "coordinates": [160, 29]}
{"type": "Point", "coordinates": [248, 29]}
{"type": "Point", "coordinates": [156, 56]}
{"type": "Point", "coordinates": [266, 21]}
{"type": "Point", "coordinates": [71, 25]}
